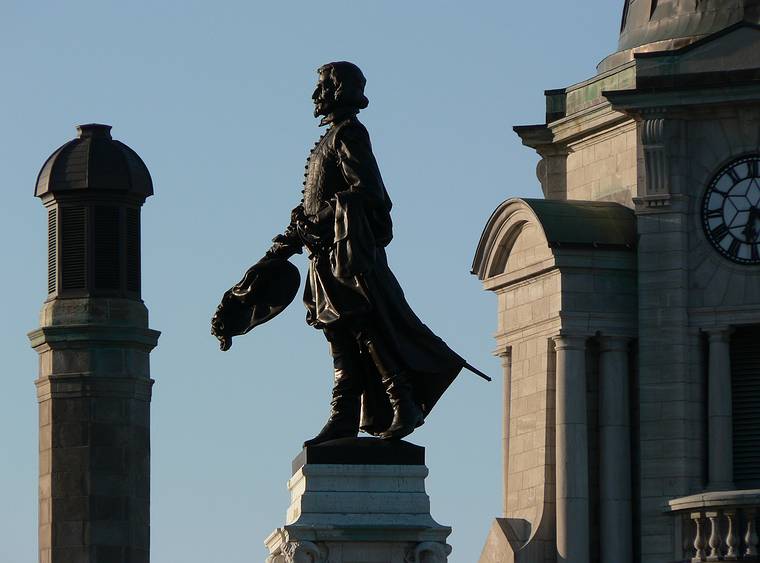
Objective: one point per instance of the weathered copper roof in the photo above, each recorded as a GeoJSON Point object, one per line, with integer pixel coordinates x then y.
{"type": "Point", "coordinates": [601, 224]}
{"type": "Point", "coordinates": [94, 161]}
{"type": "Point", "coordinates": [647, 21]}
{"type": "Point", "coordinates": [661, 25]}
{"type": "Point", "coordinates": [570, 224]}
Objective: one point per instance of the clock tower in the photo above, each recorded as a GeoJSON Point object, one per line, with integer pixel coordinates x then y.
{"type": "Point", "coordinates": [629, 302]}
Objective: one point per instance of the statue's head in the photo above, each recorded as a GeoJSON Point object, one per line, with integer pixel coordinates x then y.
{"type": "Point", "coordinates": [340, 86]}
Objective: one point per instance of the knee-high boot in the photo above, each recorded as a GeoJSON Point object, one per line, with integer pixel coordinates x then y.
{"type": "Point", "coordinates": [345, 409]}
{"type": "Point", "coordinates": [407, 415]}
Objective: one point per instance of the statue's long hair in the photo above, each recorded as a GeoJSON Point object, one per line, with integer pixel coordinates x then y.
{"type": "Point", "coordinates": [349, 82]}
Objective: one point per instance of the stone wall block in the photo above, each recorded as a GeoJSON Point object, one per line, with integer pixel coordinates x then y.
{"type": "Point", "coordinates": [140, 535]}
{"type": "Point", "coordinates": [70, 458]}
{"type": "Point", "coordinates": [127, 312]}
{"type": "Point", "coordinates": [109, 485]}
{"type": "Point", "coordinates": [111, 410]}
{"type": "Point", "coordinates": [68, 483]}
{"type": "Point", "coordinates": [141, 488]}
{"type": "Point", "coordinates": [109, 362]}
{"type": "Point", "coordinates": [135, 555]}
{"type": "Point", "coordinates": [70, 507]}
{"type": "Point", "coordinates": [71, 360]}
{"type": "Point", "coordinates": [108, 532]}
{"type": "Point", "coordinates": [45, 461]}
{"type": "Point", "coordinates": [117, 435]}
{"type": "Point", "coordinates": [110, 554]}
{"type": "Point", "coordinates": [45, 413]}
{"type": "Point", "coordinates": [44, 535]}
{"type": "Point", "coordinates": [68, 533]}
{"type": "Point", "coordinates": [137, 363]}
{"type": "Point", "coordinates": [108, 460]}
{"type": "Point", "coordinates": [657, 544]}
{"type": "Point", "coordinates": [108, 508]}
{"type": "Point", "coordinates": [138, 510]}
{"type": "Point", "coordinates": [70, 410]}
{"type": "Point", "coordinates": [45, 485]}
{"type": "Point", "coordinates": [69, 554]}
{"type": "Point", "coordinates": [70, 434]}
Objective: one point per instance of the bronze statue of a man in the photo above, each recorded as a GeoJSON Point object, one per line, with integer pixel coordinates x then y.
{"type": "Point", "coordinates": [390, 369]}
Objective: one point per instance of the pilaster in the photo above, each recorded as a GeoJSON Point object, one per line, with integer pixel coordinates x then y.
{"type": "Point", "coordinates": [615, 450]}
{"type": "Point", "coordinates": [719, 408]}
{"type": "Point", "coordinates": [571, 450]}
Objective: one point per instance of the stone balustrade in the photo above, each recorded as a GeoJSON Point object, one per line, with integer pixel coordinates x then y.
{"type": "Point", "coordinates": [717, 526]}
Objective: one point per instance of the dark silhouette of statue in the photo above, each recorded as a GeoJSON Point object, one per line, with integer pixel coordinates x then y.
{"type": "Point", "coordinates": [390, 369]}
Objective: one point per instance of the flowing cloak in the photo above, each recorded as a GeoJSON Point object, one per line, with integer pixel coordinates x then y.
{"type": "Point", "coordinates": [349, 277]}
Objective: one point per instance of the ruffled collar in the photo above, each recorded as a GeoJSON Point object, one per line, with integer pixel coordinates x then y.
{"type": "Point", "coordinates": [337, 116]}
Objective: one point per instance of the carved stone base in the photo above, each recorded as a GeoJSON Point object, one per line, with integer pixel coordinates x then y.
{"type": "Point", "coordinates": [356, 511]}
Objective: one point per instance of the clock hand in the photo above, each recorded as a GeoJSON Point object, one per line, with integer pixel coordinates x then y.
{"type": "Point", "coordinates": [749, 231]}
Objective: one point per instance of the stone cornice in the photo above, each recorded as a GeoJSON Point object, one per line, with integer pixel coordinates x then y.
{"type": "Point", "coordinates": [52, 337]}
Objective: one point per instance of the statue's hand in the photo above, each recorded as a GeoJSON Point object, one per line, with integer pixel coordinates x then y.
{"type": "Point", "coordinates": [279, 250]}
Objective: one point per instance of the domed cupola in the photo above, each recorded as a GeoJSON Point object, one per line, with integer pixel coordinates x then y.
{"type": "Point", "coordinates": [661, 25]}
{"type": "Point", "coordinates": [93, 188]}
{"type": "Point", "coordinates": [94, 161]}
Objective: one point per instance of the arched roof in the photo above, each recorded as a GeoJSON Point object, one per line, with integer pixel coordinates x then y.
{"type": "Point", "coordinates": [94, 161]}
{"type": "Point", "coordinates": [661, 25]}
{"type": "Point", "coordinates": [564, 224]}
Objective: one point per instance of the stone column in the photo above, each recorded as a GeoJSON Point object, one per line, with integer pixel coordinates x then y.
{"type": "Point", "coordinates": [506, 364]}
{"type": "Point", "coordinates": [94, 384]}
{"type": "Point", "coordinates": [720, 433]}
{"type": "Point", "coordinates": [572, 451]}
{"type": "Point", "coordinates": [615, 451]}
{"type": "Point", "coordinates": [94, 391]}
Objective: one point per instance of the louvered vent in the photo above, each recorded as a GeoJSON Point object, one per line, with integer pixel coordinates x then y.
{"type": "Point", "coordinates": [73, 245]}
{"type": "Point", "coordinates": [745, 389]}
{"type": "Point", "coordinates": [133, 250]}
{"type": "Point", "coordinates": [52, 240]}
{"type": "Point", "coordinates": [105, 238]}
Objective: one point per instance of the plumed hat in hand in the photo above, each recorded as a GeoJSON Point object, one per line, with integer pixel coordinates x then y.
{"type": "Point", "coordinates": [266, 289]}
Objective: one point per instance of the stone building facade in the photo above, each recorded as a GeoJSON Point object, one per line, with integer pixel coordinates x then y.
{"type": "Point", "coordinates": [629, 302]}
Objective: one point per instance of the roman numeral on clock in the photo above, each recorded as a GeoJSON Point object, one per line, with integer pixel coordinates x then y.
{"type": "Point", "coordinates": [733, 250]}
{"type": "Point", "coordinates": [753, 251]}
{"type": "Point", "coordinates": [734, 176]}
{"type": "Point", "coordinates": [714, 213]}
{"type": "Point", "coordinates": [752, 168]}
{"type": "Point", "coordinates": [719, 232]}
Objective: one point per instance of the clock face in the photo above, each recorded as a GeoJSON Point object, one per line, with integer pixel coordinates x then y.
{"type": "Point", "coordinates": [731, 211]}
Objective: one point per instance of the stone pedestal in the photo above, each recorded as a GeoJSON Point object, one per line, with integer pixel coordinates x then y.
{"type": "Point", "coordinates": [359, 500]}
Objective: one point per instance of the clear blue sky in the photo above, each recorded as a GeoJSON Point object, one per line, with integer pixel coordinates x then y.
{"type": "Point", "coordinates": [215, 97]}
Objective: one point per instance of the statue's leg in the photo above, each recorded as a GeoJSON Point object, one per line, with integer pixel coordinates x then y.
{"type": "Point", "coordinates": [345, 406]}
{"type": "Point", "coordinates": [407, 415]}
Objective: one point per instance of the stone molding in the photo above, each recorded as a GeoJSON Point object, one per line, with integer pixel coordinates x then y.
{"type": "Point", "coordinates": [656, 155]}
{"type": "Point", "coordinates": [661, 203]}
{"type": "Point", "coordinates": [570, 341]}
{"type": "Point", "coordinates": [719, 334]}
{"type": "Point", "coordinates": [429, 552]}
{"type": "Point", "coordinates": [63, 336]}
{"type": "Point", "coordinates": [614, 343]}
{"type": "Point", "coordinates": [342, 512]}
{"type": "Point", "coordinates": [300, 552]}
{"type": "Point", "coordinates": [303, 551]}
{"type": "Point", "coordinates": [78, 386]}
